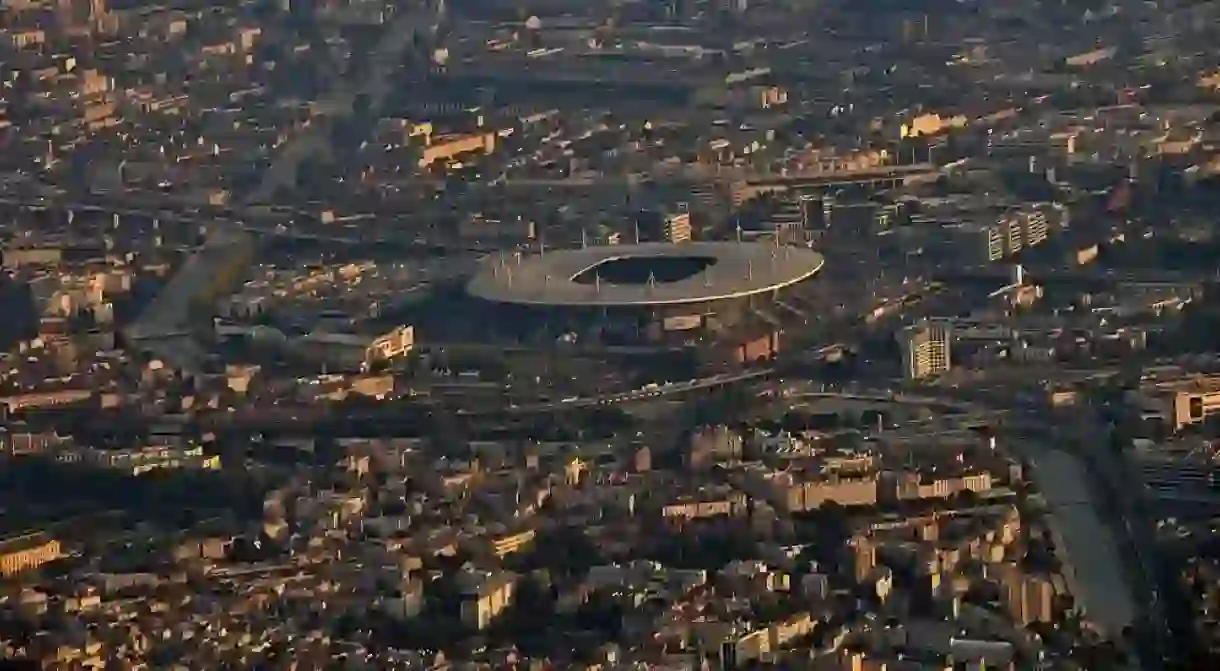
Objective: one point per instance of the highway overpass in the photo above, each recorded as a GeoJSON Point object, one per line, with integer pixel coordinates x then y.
{"type": "Point", "coordinates": [885, 176]}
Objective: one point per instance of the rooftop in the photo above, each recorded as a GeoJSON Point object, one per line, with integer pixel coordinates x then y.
{"type": "Point", "coordinates": [644, 274]}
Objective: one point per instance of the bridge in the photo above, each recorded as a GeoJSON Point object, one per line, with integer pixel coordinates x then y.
{"type": "Point", "coordinates": [641, 394]}
{"type": "Point", "coordinates": [308, 418]}
{"type": "Point", "coordinates": [882, 398]}
{"type": "Point", "coordinates": [895, 174]}
{"type": "Point", "coordinates": [887, 175]}
{"type": "Point", "coordinates": [655, 391]}
{"type": "Point", "coordinates": [1151, 278]}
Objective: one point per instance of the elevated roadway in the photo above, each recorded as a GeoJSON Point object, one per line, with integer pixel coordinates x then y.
{"type": "Point", "coordinates": [688, 386]}
{"type": "Point", "coordinates": [1091, 275]}
{"type": "Point", "coordinates": [886, 175]}
{"type": "Point", "coordinates": [634, 395]}
{"type": "Point", "coordinates": [302, 418]}
{"type": "Point", "coordinates": [884, 398]}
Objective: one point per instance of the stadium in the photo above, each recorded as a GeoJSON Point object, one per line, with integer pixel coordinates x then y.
{"type": "Point", "coordinates": [642, 293]}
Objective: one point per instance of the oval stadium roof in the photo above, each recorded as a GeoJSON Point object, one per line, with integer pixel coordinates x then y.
{"type": "Point", "coordinates": [721, 271]}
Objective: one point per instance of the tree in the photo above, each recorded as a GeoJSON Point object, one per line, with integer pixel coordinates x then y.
{"type": "Point", "coordinates": [565, 550]}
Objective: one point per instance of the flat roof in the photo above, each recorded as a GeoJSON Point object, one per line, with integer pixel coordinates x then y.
{"type": "Point", "coordinates": [1198, 384]}
{"type": "Point", "coordinates": [737, 270]}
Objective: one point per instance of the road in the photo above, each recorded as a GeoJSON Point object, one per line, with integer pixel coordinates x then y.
{"type": "Point", "coordinates": [1103, 537]}
{"type": "Point", "coordinates": [316, 141]}
{"type": "Point", "coordinates": [1135, 529]}
{"type": "Point", "coordinates": [687, 386]}
{"type": "Point", "coordinates": [798, 390]}
{"type": "Point", "coordinates": [645, 393]}
{"type": "Point", "coordinates": [1089, 544]}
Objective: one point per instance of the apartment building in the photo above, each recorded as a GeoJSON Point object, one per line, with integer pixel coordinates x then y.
{"type": "Point", "coordinates": [1181, 403]}
{"type": "Point", "coordinates": [510, 543]}
{"type": "Point", "coordinates": [678, 227]}
{"type": "Point", "coordinates": [791, 493]}
{"type": "Point", "coordinates": [915, 486]}
{"type": "Point", "coordinates": [925, 349]}
{"type": "Point", "coordinates": [21, 553]}
{"type": "Point", "coordinates": [485, 596]}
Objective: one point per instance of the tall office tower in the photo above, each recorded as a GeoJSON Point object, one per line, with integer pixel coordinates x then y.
{"type": "Point", "coordinates": [657, 226]}
{"type": "Point", "coordinates": [925, 349]}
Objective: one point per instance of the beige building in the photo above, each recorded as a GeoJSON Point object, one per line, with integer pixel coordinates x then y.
{"type": "Point", "coordinates": [18, 257]}
{"type": "Point", "coordinates": [678, 227]}
{"type": "Point", "coordinates": [931, 124]}
{"type": "Point", "coordinates": [444, 148]}
{"type": "Point", "coordinates": [26, 552]}
{"type": "Point", "coordinates": [925, 350]}
{"type": "Point", "coordinates": [864, 557]}
{"type": "Point", "coordinates": [1182, 402]}
{"type": "Point", "coordinates": [1192, 406]}
{"type": "Point", "coordinates": [47, 399]}
{"type": "Point", "coordinates": [351, 352]}
{"type": "Point", "coordinates": [507, 544]}
{"type": "Point", "coordinates": [485, 596]}
{"type": "Point", "coordinates": [392, 345]}
{"type": "Point", "coordinates": [1028, 598]}
{"type": "Point", "coordinates": [731, 505]}
{"type": "Point", "coordinates": [791, 493]}
{"type": "Point", "coordinates": [739, 648]}
{"type": "Point", "coordinates": [914, 486]}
